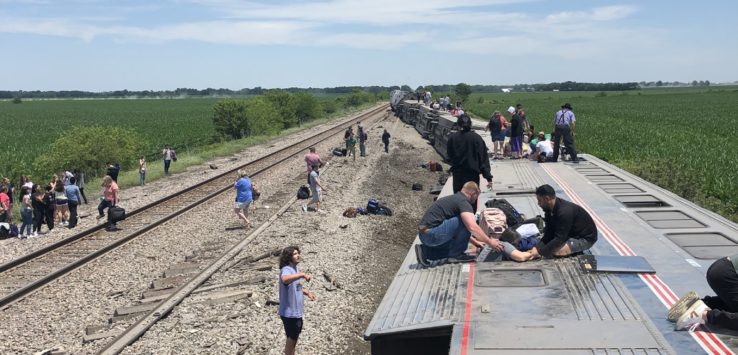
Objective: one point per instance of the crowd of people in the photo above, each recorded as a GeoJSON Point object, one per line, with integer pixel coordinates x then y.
{"type": "Point", "coordinates": [52, 204]}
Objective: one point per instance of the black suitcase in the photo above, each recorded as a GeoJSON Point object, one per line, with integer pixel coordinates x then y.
{"type": "Point", "coordinates": [117, 214]}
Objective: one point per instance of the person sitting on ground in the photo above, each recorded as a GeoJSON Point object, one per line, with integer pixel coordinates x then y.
{"type": "Point", "coordinates": [447, 226]}
{"type": "Point", "coordinates": [720, 310]}
{"type": "Point", "coordinates": [316, 189]}
{"type": "Point", "coordinates": [544, 149]}
{"type": "Point", "coordinates": [569, 228]}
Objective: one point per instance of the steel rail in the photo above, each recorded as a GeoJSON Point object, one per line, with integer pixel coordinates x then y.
{"type": "Point", "coordinates": [298, 147]}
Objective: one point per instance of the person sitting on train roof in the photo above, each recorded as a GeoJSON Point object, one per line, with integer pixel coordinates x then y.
{"type": "Point", "coordinates": [543, 149]}
{"type": "Point", "coordinates": [447, 226]}
{"type": "Point", "coordinates": [721, 310]}
{"type": "Point", "coordinates": [569, 228]}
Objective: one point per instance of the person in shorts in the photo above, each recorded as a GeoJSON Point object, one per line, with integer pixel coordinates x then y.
{"type": "Point", "coordinates": [291, 296]}
{"type": "Point", "coordinates": [316, 190]}
{"type": "Point", "coordinates": [569, 228]}
{"type": "Point", "coordinates": [244, 196]}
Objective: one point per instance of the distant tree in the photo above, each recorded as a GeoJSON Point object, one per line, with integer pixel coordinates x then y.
{"type": "Point", "coordinates": [82, 148]}
{"type": "Point", "coordinates": [17, 100]}
{"type": "Point", "coordinates": [307, 107]}
{"type": "Point", "coordinates": [707, 82]}
{"type": "Point", "coordinates": [229, 118]}
{"type": "Point", "coordinates": [284, 103]}
{"type": "Point", "coordinates": [261, 116]}
{"type": "Point", "coordinates": [659, 83]}
{"type": "Point", "coordinates": [463, 91]}
{"type": "Point", "coordinates": [329, 106]}
{"type": "Point", "coordinates": [406, 88]}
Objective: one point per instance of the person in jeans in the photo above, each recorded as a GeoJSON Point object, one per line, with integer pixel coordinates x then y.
{"type": "Point", "coordinates": [26, 213]}
{"type": "Point", "coordinates": [168, 155]}
{"type": "Point", "coordinates": [39, 208]}
{"type": "Point", "coordinates": [291, 296]}
{"type": "Point", "coordinates": [73, 199]}
{"type": "Point", "coordinates": [447, 226]}
{"type": "Point", "coordinates": [385, 139]}
{"type": "Point", "coordinates": [569, 228]}
{"type": "Point", "coordinates": [142, 170]}
{"type": "Point", "coordinates": [110, 199]}
{"type": "Point", "coordinates": [80, 176]}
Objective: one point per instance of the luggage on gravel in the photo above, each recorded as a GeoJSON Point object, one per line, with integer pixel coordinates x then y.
{"type": "Point", "coordinates": [303, 192]}
{"type": "Point", "coordinates": [417, 187]}
{"type": "Point", "coordinates": [117, 214]}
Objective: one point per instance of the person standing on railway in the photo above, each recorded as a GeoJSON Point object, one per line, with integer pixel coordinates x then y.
{"type": "Point", "coordinates": [292, 296]}
{"type": "Point", "coordinates": [564, 127]}
{"type": "Point", "coordinates": [142, 170]}
{"type": "Point", "coordinates": [73, 199]}
{"type": "Point", "coordinates": [244, 196]}
{"type": "Point", "coordinates": [316, 190]}
{"type": "Point", "coordinates": [61, 211]}
{"type": "Point", "coordinates": [312, 159]}
{"type": "Point", "coordinates": [516, 134]}
{"type": "Point", "coordinates": [467, 153]}
{"type": "Point", "coordinates": [447, 226]}
{"type": "Point", "coordinates": [39, 209]}
{"type": "Point", "coordinates": [80, 176]}
{"type": "Point", "coordinates": [351, 145]}
{"type": "Point", "coordinates": [168, 154]}
{"type": "Point", "coordinates": [4, 204]}
{"type": "Point", "coordinates": [110, 199]}
{"type": "Point", "coordinates": [720, 310]}
{"type": "Point", "coordinates": [496, 127]}
{"type": "Point", "coordinates": [26, 212]}
{"type": "Point", "coordinates": [385, 139]}
{"type": "Point", "coordinates": [362, 139]}
{"type": "Point", "coordinates": [49, 205]}
{"type": "Point", "coordinates": [569, 228]}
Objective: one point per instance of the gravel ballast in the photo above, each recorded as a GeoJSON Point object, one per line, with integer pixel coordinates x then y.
{"type": "Point", "coordinates": [361, 254]}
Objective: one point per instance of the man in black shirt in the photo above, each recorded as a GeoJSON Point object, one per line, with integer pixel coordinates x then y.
{"type": "Point", "coordinates": [569, 228]}
{"type": "Point", "coordinates": [448, 224]}
{"type": "Point", "coordinates": [468, 156]}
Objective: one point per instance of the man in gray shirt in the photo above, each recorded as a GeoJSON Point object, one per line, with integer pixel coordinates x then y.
{"type": "Point", "coordinates": [564, 127]}
{"type": "Point", "coordinates": [447, 226]}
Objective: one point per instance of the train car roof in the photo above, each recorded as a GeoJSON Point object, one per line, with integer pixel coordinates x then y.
{"type": "Point", "coordinates": [555, 306]}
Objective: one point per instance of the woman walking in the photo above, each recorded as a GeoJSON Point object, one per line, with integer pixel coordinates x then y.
{"type": "Point", "coordinates": [291, 296]}
{"type": "Point", "coordinates": [142, 170]}
{"type": "Point", "coordinates": [244, 196]}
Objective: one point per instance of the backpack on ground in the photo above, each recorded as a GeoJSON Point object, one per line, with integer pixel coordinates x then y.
{"type": "Point", "coordinates": [417, 187]}
{"type": "Point", "coordinates": [514, 217]}
{"type": "Point", "coordinates": [339, 152]}
{"type": "Point", "coordinates": [493, 222]}
{"type": "Point", "coordinates": [384, 210]}
{"type": "Point", "coordinates": [372, 206]}
{"type": "Point", "coordinates": [303, 192]}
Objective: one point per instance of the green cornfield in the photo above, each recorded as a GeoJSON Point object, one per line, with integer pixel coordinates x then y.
{"type": "Point", "coordinates": [679, 139]}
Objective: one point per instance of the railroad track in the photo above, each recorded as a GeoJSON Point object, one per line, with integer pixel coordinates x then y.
{"type": "Point", "coordinates": [24, 275]}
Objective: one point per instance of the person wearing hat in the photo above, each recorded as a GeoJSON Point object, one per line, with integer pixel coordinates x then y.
{"type": "Point", "coordinates": [564, 127]}
{"type": "Point", "coordinates": [467, 153]}
{"type": "Point", "coordinates": [516, 134]}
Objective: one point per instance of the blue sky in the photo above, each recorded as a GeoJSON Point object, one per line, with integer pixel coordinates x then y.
{"type": "Point", "coordinates": [154, 45]}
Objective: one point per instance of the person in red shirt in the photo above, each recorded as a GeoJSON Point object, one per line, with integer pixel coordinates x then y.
{"type": "Point", "coordinates": [4, 204]}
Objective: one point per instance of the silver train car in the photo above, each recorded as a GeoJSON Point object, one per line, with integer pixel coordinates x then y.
{"type": "Point", "coordinates": [653, 247]}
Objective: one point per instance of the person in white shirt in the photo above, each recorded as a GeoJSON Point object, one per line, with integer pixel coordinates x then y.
{"type": "Point", "coordinates": [544, 149]}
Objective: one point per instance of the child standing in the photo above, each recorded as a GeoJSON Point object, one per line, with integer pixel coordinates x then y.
{"type": "Point", "coordinates": [291, 294]}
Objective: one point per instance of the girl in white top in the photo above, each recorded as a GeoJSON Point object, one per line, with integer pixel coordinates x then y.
{"type": "Point", "coordinates": [142, 170]}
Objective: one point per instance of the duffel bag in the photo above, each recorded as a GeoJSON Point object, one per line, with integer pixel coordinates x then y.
{"type": "Point", "coordinates": [117, 214]}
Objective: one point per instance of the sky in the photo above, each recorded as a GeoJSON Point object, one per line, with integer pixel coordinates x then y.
{"type": "Point", "coordinates": [158, 45]}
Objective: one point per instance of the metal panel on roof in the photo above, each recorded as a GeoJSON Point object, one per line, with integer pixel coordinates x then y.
{"type": "Point", "coordinates": [418, 299]}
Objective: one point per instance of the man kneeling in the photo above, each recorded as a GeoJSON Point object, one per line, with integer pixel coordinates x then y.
{"type": "Point", "coordinates": [569, 228]}
{"type": "Point", "coordinates": [447, 226]}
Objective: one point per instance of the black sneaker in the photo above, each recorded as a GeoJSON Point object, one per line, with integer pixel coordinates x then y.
{"type": "Point", "coordinates": [420, 256]}
{"type": "Point", "coordinates": [463, 258]}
